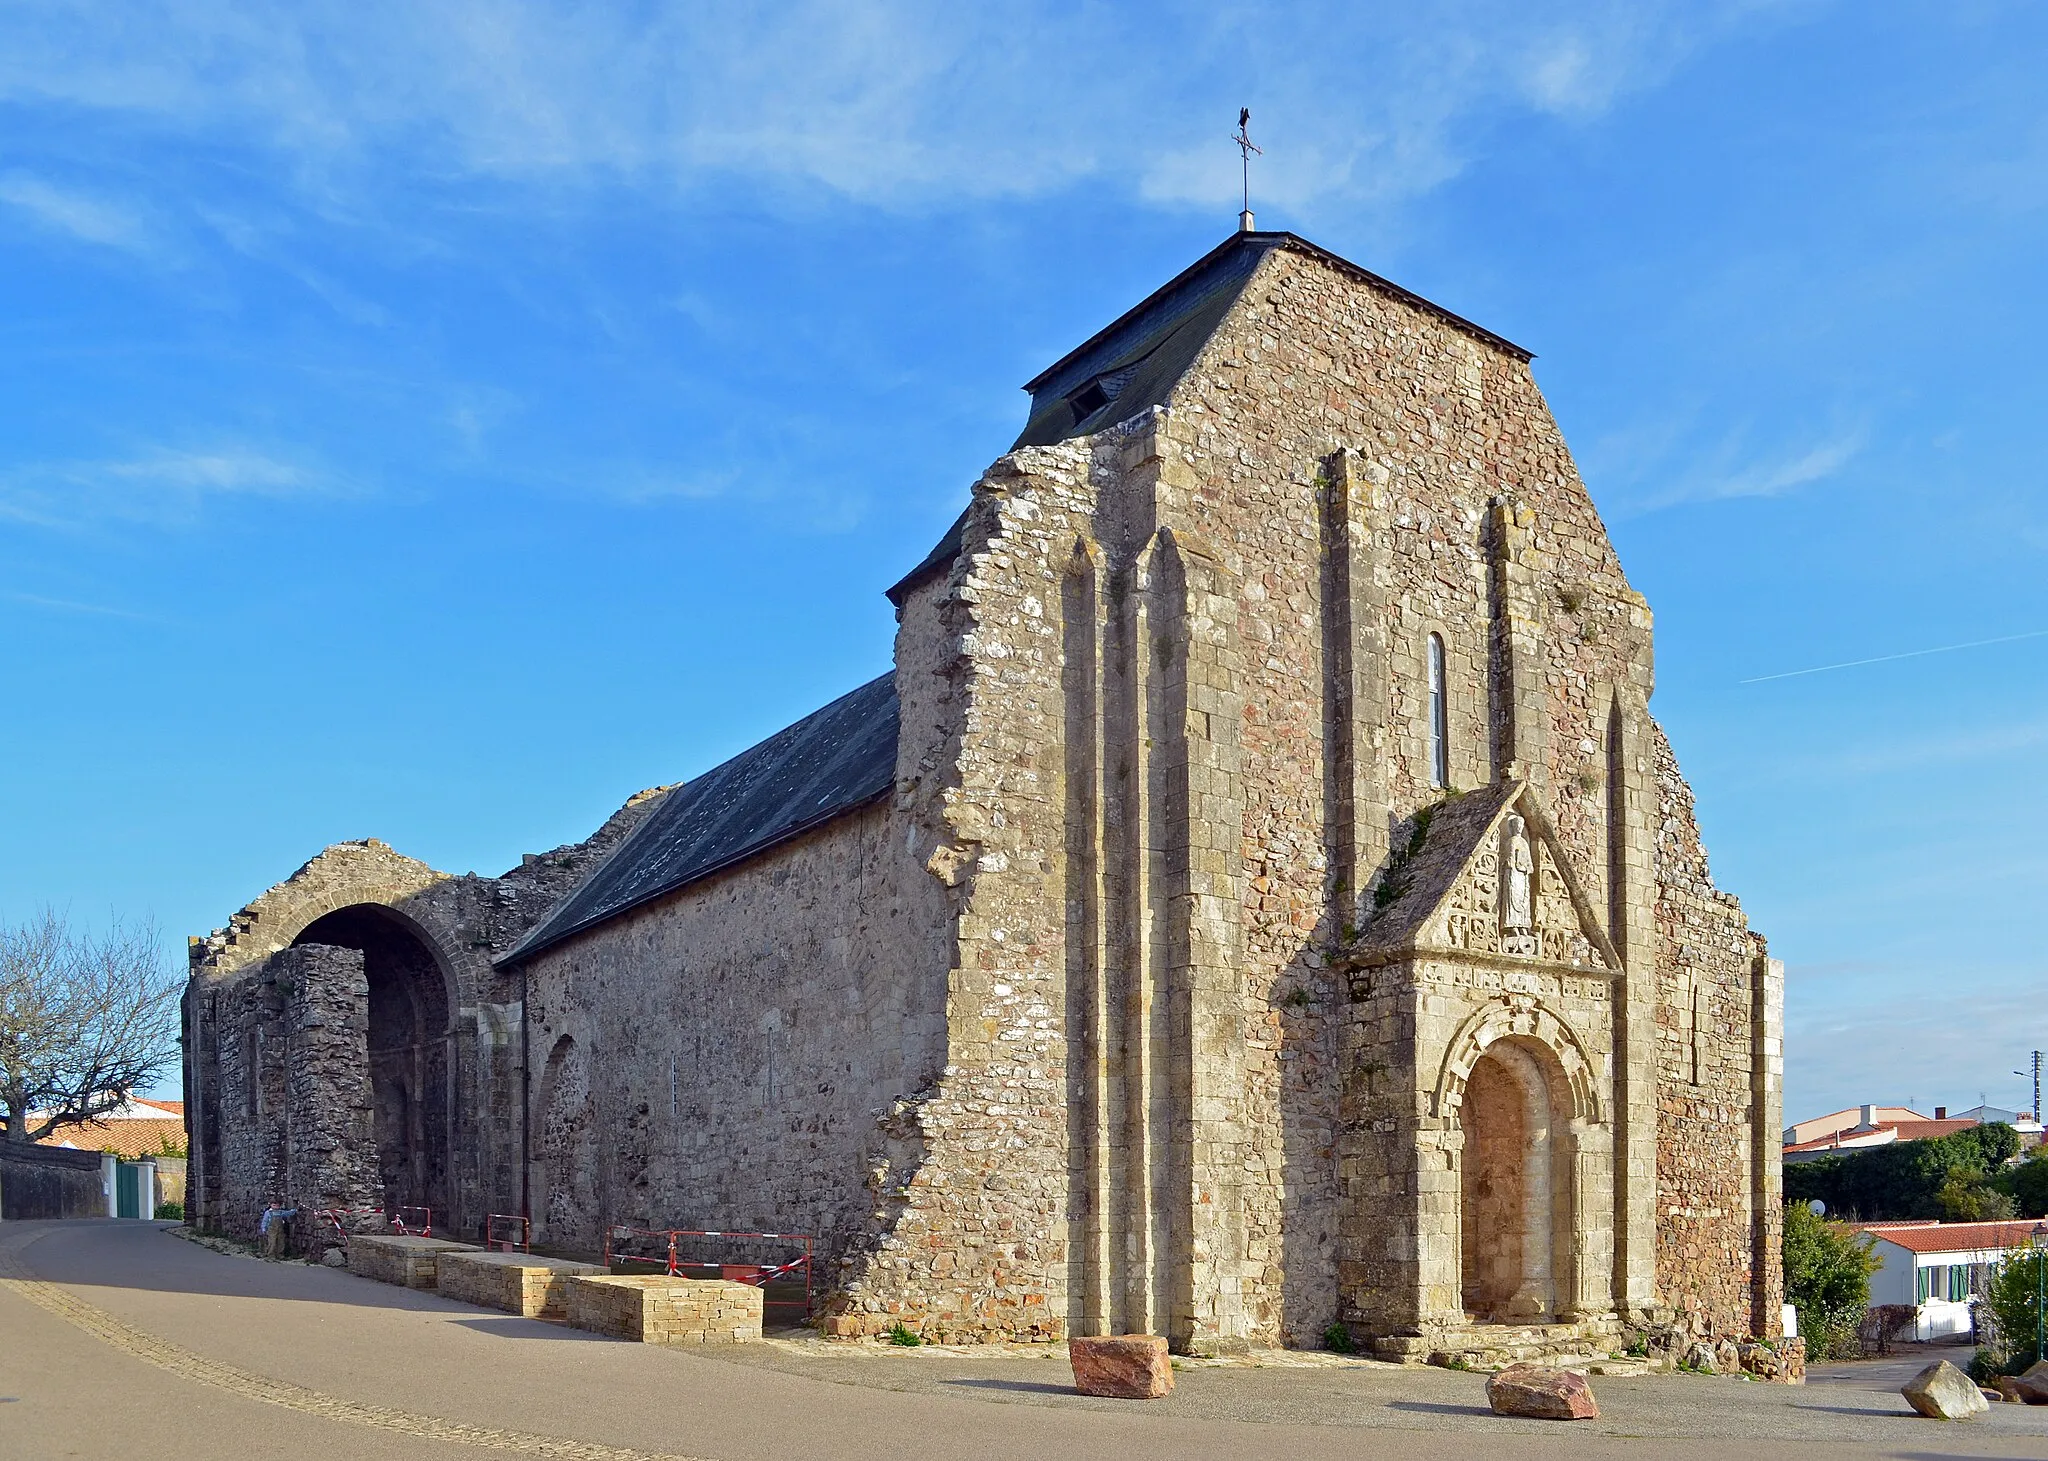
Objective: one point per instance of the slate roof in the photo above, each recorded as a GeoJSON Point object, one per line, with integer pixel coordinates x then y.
{"type": "Point", "coordinates": [824, 766]}
{"type": "Point", "coordinates": [1133, 364]}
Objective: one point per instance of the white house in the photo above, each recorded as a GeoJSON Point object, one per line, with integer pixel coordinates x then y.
{"type": "Point", "coordinates": [1939, 1267]}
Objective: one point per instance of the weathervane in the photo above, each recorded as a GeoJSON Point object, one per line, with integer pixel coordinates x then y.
{"type": "Point", "coordinates": [1245, 149]}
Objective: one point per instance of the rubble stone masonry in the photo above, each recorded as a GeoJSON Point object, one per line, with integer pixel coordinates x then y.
{"type": "Point", "coordinates": [1172, 989]}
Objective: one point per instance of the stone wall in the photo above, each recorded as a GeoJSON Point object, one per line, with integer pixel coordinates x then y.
{"type": "Point", "coordinates": [1343, 475]}
{"type": "Point", "coordinates": [40, 1183]}
{"type": "Point", "coordinates": [738, 1056]}
{"type": "Point", "coordinates": [290, 1090]}
{"type": "Point", "coordinates": [1712, 1227]}
{"type": "Point", "coordinates": [976, 1245]}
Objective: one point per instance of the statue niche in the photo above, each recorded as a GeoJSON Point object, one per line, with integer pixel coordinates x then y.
{"type": "Point", "coordinates": [1517, 889]}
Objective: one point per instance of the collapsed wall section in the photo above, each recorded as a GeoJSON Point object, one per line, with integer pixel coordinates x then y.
{"type": "Point", "coordinates": [1720, 1064]}
{"type": "Point", "coordinates": [373, 898]}
{"type": "Point", "coordinates": [976, 1244]}
{"type": "Point", "coordinates": [288, 1113]}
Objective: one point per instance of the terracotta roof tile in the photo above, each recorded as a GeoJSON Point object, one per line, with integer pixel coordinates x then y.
{"type": "Point", "coordinates": [135, 1136]}
{"type": "Point", "coordinates": [1952, 1237]}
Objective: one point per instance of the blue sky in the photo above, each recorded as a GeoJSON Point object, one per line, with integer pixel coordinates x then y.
{"type": "Point", "coordinates": [438, 421]}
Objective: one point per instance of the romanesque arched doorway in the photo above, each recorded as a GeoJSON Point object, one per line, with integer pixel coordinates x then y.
{"type": "Point", "coordinates": [411, 1051]}
{"type": "Point", "coordinates": [1512, 1186]}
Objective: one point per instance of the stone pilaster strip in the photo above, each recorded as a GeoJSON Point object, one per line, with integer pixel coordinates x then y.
{"type": "Point", "coordinates": [1767, 1116]}
{"type": "Point", "coordinates": [1631, 883]}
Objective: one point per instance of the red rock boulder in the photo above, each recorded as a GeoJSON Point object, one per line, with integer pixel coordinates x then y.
{"type": "Point", "coordinates": [2032, 1385]}
{"type": "Point", "coordinates": [1122, 1366]}
{"type": "Point", "coordinates": [1541, 1394]}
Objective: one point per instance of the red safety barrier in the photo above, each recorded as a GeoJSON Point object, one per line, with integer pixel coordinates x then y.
{"type": "Point", "coordinates": [417, 1222]}
{"type": "Point", "coordinates": [676, 1251]}
{"type": "Point", "coordinates": [508, 1232]}
{"type": "Point", "coordinates": [347, 1220]}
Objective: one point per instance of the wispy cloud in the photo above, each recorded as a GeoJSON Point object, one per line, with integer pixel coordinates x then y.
{"type": "Point", "coordinates": [1641, 465]}
{"type": "Point", "coordinates": [72, 606]}
{"type": "Point", "coordinates": [78, 214]}
{"type": "Point", "coordinates": [164, 485]}
{"type": "Point", "coordinates": [1881, 659]}
{"type": "Point", "coordinates": [1909, 754]}
{"type": "Point", "coordinates": [894, 102]}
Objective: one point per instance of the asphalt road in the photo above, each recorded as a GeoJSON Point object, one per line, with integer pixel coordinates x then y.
{"type": "Point", "coordinates": [121, 1340]}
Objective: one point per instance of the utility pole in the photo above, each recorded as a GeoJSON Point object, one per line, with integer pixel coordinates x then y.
{"type": "Point", "coordinates": [2036, 1112]}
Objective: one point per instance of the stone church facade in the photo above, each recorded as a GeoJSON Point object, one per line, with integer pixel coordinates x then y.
{"type": "Point", "coordinates": [1258, 899]}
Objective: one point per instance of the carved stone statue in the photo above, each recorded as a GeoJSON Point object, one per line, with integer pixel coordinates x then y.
{"type": "Point", "coordinates": [1517, 866]}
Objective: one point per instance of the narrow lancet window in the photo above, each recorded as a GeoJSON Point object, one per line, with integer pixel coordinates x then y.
{"type": "Point", "coordinates": [1439, 716]}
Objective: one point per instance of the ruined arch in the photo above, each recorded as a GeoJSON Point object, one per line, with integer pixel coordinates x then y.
{"type": "Point", "coordinates": [411, 1050]}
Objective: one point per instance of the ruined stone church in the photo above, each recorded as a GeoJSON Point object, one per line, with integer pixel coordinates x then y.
{"type": "Point", "coordinates": [1256, 899]}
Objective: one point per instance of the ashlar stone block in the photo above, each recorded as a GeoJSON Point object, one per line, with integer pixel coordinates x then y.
{"type": "Point", "coordinates": [658, 1309]}
{"type": "Point", "coordinates": [412, 1263]}
{"type": "Point", "coordinates": [518, 1283]}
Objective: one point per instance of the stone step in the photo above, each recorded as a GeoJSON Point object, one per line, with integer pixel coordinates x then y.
{"type": "Point", "coordinates": [1491, 1346]}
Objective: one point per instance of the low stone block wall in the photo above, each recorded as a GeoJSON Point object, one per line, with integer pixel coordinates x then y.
{"type": "Point", "coordinates": [411, 1263]}
{"type": "Point", "coordinates": [518, 1283]}
{"type": "Point", "coordinates": [657, 1309]}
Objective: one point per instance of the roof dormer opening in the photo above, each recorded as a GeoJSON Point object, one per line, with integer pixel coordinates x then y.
{"type": "Point", "coordinates": [1088, 400]}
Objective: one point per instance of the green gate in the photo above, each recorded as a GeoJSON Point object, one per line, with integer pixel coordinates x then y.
{"type": "Point", "coordinates": [131, 1194]}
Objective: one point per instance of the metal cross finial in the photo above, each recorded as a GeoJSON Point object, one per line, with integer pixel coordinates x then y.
{"type": "Point", "coordinates": [1245, 149]}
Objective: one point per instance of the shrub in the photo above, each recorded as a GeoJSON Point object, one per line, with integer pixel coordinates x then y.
{"type": "Point", "coordinates": [902, 1334]}
{"type": "Point", "coordinates": [2027, 1182]}
{"type": "Point", "coordinates": [1967, 1197]}
{"type": "Point", "coordinates": [1827, 1280]}
{"type": "Point", "coordinates": [172, 1211]}
{"type": "Point", "coordinates": [1338, 1339]}
{"type": "Point", "coordinates": [1907, 1179]}
{"type": "Point", "coordinates": [2010, 1337]}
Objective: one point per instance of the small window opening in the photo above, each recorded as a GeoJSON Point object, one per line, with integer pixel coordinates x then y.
{"type": "Point", "coordinates": [1439, 716]}
{"type": "Point", "coordinates": [1088, 400]}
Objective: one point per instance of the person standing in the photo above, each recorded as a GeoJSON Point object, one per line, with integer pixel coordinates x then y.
{"type": "Point", "coordinates": [271, 1229]}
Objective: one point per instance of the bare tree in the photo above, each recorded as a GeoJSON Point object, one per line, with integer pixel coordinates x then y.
{"type": "Point", "coordinates": [86, 1020]}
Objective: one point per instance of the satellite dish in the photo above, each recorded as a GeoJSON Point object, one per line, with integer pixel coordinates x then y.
{"type": "Point", "coordinates": [1817, 1208]}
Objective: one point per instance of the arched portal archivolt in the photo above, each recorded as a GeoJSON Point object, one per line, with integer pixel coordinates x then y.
{"type": "Point", "coordinates": [411, 1050]}
{"type": "Point", "coordinates": [1522, 1017]}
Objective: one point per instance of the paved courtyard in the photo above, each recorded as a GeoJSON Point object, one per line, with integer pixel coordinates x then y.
{"type": "Point", "coordinates": [119, 1339]}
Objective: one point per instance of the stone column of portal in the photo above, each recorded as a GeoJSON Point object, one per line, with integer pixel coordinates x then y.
{"type": "Point", "coordinates": [1632, 902]}
{"type": "Point", "coordinates": [1200, 820]}
{"type": "Point", "coordinates": [1592, 1204]}
{"type": "Point", "coordinates": [1766, 1121]}
{"type": "Point", "coordinates": [1521, 711]}
{"type": "Point", "coordinates": [1355, 647]}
